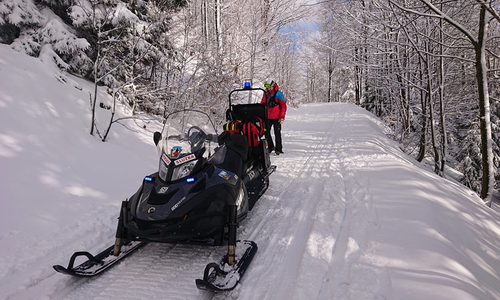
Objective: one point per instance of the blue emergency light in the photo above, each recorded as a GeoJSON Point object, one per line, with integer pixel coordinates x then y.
{"type": "Point", "coordinates": [148, 179]}
{"type": "Point", "coordinates": [190, 179]}
{"type": "Point", "coordinates": [247, 85]}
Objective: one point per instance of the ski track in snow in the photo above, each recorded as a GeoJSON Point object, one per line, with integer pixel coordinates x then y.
{"type": "Point", "coordinates": [304, 257]}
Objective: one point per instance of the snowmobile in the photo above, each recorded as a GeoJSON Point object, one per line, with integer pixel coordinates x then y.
{"type": "Point", "coordinates": [206, 184]}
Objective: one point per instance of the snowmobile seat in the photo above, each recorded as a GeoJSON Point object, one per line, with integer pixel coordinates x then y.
{"type": "Point", "coordinates": [252, 131]}
{"type": "Point", "coordinates": [237, 152]}
{"type": "Point", "coordinates": [251, 113]}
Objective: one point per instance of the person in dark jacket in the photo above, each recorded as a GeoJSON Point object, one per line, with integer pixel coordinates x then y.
{"type": "Point", "coordinates": [276, 115]}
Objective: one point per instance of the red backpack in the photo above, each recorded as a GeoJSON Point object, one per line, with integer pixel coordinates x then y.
{"type": "Point", "coordinates": [252, 130]}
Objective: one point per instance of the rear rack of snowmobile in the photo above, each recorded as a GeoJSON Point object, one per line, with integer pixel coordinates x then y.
{"type": "Point", "coordinates": [247, 111]}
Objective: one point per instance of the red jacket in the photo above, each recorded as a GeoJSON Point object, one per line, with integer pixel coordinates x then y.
{"type": "Point", "coordinates": [278, 111]}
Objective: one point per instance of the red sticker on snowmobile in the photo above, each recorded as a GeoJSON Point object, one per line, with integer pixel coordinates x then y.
{"type": "Point", "coordinates": [224, 175]}
{"type": "Point", "coordinates": [165, 159]}
{"type": "Point", "coordinates": [184, 159]}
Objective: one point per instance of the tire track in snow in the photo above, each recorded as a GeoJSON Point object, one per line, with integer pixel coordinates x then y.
{"type": "Point", "coordinates": [347, 278]}
{"type": "Point", "coordinates": [340, 246]}
{"type": "Point", "coordinates": [288, 225]}
{"type": "Point", "coordinates": [295, 259]}
{"type": "Point", "coordinates": [330, 212]}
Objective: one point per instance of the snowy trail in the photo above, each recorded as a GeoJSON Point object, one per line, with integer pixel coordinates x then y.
{"type": "Point", "coordinates": [313, 224]}
{"type": "Point", "coordinates": [291, 234]}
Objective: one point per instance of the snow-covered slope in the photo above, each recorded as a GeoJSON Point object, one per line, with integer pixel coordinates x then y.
{"type": "Point", "coordinates": [347, 214]}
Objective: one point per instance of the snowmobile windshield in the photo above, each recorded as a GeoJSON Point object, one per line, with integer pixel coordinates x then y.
{"type": "Point", "coordinates": [189, 138]}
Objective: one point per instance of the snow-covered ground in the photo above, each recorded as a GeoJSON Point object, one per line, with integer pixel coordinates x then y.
{"type": "Point", "coordinates": [347, 214]}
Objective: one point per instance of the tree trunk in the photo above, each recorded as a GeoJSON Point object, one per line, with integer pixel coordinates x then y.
{"type": "Point", "coordinates": [444, 138]}
{"type": "Point", "coordinates": [432, 119]}
{"type": "Point", "coordinates": [218, 26]}
{"type": "Point", "coordinates": [330, 75]}
{"type": "Point", "coordinates": [488, 180]}
{"type": "Point", "coordinates": [423, 131]}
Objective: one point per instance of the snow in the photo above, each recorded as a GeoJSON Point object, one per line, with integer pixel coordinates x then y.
{"type": "Point", "coordinates": [20, 11]}
{"type": "Point", "coordinates": [122, 14]}
{"type": "Point", "coordinates": [347, 215]}
{"type": "Point", "coordinates": [60, 35]}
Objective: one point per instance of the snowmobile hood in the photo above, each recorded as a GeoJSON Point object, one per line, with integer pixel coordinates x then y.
{"type": "Point", "coordinates": [160, 201]}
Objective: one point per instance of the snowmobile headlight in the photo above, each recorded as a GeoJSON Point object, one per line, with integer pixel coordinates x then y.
{"type": "Point", "coordinates": [184, 170]}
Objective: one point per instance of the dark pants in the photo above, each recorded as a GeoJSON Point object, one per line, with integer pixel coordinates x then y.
{"type": "Point", "coordinates": [274, 123]}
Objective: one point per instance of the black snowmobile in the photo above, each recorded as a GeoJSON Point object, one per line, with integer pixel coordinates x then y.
{"type": "Point", "coordinates": [206, 183]}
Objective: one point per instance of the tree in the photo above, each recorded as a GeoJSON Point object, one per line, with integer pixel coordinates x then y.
{"type": "Point", "coordinates": [128, 49]}
{"type": "Point", "coordinates": [419, 72]}
{"type": "Point", "coordinates": [479, 43]}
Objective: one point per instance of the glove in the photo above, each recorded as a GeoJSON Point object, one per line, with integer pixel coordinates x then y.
{"type": "Point", "coordinates": [281, 121]}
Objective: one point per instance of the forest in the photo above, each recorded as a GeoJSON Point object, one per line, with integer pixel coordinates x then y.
{"type": "Point", "coordinates": [429, 69]}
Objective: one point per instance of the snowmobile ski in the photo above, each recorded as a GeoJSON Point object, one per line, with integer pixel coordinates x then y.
{"type": "Point", "coordinates": [99, 263]}
{"type": "Point", "coordinates": [219, 277]}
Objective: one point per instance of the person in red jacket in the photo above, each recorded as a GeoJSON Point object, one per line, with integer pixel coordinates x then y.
{"type": "Point", "coordinates": [276, 110]}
